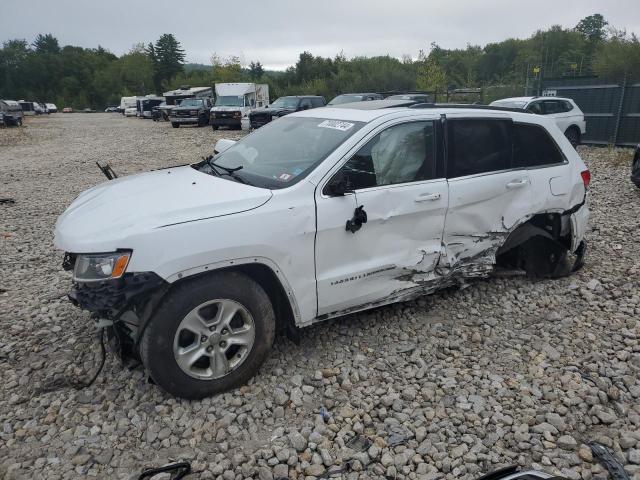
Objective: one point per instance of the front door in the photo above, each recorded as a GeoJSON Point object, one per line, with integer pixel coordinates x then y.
{"type": "Point", "coordinates": [396, 189]}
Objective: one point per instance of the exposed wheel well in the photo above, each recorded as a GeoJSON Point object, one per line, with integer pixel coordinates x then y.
{"type": "Point", "coordinates": [576, 129]}
{"type": "Point", "coordinates": [538, 246]}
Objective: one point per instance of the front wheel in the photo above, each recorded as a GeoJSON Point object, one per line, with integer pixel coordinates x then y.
{"type": "Point", "coordinates": [175, 125]}
{"type": "Point", "coordinates": [214, 127]}
{"type": "Point", "coordinates": [209, 335]}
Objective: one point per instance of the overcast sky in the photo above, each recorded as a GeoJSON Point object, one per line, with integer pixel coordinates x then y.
{"type": "Point", "coordinates": [276, 31]}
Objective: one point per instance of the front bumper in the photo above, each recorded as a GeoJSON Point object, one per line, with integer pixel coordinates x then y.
{"type": "Point", "coordinates": [226, 122]}
{"type": "Point", "coordinates": [111, 298]}
{"type": "Point", "coordinates": [260, 122]}
{"type": "Point", "coordinates": [183, 119]}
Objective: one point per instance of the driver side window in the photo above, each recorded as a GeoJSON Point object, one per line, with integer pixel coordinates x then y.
{"type": "Point", "coordinates": [400, 154]}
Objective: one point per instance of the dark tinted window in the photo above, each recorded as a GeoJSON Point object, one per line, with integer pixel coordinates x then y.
{"type": "Point", "coordinates": [478, 146]}
{"type": "Point", "coordinates": [535, 107]}
{"type": "Point", "coordinates": [402, 153]}
{"type": "Point", "coordinates": [567, 106]}
{"type": "Point", "coordinates": [305, 103]}
{"type": "Point", "coordinates": [533, 147]}
{"type": "Point", "coordinates": [317, 102]}
{"type": "Point", "coordinates": [553, 106]}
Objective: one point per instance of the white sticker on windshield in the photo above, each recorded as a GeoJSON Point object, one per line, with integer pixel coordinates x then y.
{"type": "Point", "coordinates": [336, 125]}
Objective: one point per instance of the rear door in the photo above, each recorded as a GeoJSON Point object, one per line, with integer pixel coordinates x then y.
{"type": "Point", "coordinates": [397, 186]}
{"type": "Point", "coordinates": [487, 196]}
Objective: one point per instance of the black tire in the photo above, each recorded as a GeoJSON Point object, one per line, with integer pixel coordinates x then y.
{"type": "Point", "coordinates": [214, 127]}
{"type": "Point", "coordinates": [156, 347]}
{"type": "Point", "coordinates": [573, 135]}
{"type": "Point", "coordinates": [175, 125]}
{"type": "Point", "coordinates": [202, 121]}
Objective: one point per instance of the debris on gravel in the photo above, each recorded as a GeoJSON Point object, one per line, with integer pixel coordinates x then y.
{"type": "Point", "coordinates": [453, 385]}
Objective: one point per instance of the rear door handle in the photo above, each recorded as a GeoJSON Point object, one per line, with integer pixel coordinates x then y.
{"type": "Point", "coordinates": [428, 197]}
{"type": "Point", "coordinates": [517, 183]}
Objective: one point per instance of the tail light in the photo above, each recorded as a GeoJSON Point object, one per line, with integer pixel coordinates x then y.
{"type": "Point", "coordinates": [586, 178]}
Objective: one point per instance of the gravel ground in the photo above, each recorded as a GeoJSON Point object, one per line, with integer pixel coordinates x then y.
{"type": "Point", "coordinates": [506, 371]}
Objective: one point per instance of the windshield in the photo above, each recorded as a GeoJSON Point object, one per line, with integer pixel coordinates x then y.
{"type": "Point", "coordinates": [290, 103]}
{"type": "Point", "coordinates": [229, 101]}
{"type": "Point", "coordinates": [284, 152]}
{"type": "Point", "coordinates": [191, 102]}
{"type": "Point", "coordinates": [345, 99]}
{"type": "Point", "coordinates": [509, 103]}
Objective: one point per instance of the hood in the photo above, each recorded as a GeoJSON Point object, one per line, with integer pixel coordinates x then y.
{"type": "Point", "coordinates": [103, 217]}
{"type": "Point", "coordinates": [273, 111]}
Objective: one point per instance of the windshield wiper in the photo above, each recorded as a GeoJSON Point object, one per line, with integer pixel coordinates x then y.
{"type": "Point", "coordinates": [231, 172]}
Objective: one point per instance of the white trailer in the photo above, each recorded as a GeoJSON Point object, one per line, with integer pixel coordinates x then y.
{"type": "Point", "coordinates": [234, 102]}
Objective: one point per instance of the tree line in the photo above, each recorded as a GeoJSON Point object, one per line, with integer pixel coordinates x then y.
{"type": "Point", "coordinates": [94, 77]}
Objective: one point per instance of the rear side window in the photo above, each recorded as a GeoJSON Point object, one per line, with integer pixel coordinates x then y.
{"type": "Point", "coordinates": [317, 102]}
{"type": "Point", "coordinates": [534, 147]}
{"type": "Point", "coordinates": [478, 146]}
{"type": "Point", "coordinates": [553, 106]}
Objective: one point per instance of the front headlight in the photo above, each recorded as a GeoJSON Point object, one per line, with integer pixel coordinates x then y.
{"type": "Point", "coordinates": [100, 266]}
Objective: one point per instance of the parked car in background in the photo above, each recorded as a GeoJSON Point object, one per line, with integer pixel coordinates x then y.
{"type": "Point", "coordinates": [131, 111]}
{"type": "Point", "coordinates": [235, 102]}
{"type": "Point", "coordinates": [284, 106]}
{"type": "Point", "coordinates": [127, 102]}
{"type": "Point", "coordinates": [51, 107]}
{"type": "Point", "coordinates": [564, 111]}
{"type": "Point", "coordinates": [11, 113]}
{"type": "Point", "coordinates": [145, 105]}
{"type": "Point", "coordinates": [67, 110]}
{"type": "Point", "coordinates": [416, 97]}
{"type": "Point", "coordinates": [41, 108]}
{"type": "Point", "coordinates": [173, 97]}
{"type": "Point", "coordinates": [317, 215]}
{"type": "Point", "coordinates": [191, 111]}
{"type": "Point", "coordinates": [112, 109]}
{"type": "Point", "coordinates": [355, 97]}
{"type": "Point", "coordinates": [28, 108]}
{"type": "Point", "coordinates": [635, 167]}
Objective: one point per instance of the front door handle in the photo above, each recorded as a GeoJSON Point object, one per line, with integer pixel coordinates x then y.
{"type": "Point", "coordinates": [427, 197]}
{"type": "Point", "coordinates": [517, 183]}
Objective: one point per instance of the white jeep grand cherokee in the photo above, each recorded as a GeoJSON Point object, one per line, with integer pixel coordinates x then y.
{"type": "Point", "coordinates": [316, 215]}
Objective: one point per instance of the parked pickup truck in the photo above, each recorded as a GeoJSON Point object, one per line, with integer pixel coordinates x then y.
{"type": "Point", "coordinates": [235, 102]}
{"type": "Point", "coordinates": [191, 111]}
{"type": "Point", "coordinates": [284, 106]}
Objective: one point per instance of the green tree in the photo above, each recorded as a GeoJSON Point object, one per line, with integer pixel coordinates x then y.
{"type": "Point", "coordinates": [593, 27]}
{"type": "Point", "coordinates": [46, 43]}
{"type": "Point", "coordinates": [256, 70]}
{"type": "Point", "coordinates": [431, 76]}
{"type": "Point", "coordinates": [618, 57]}
{"type": "Point", "coordinates": [168, 57]}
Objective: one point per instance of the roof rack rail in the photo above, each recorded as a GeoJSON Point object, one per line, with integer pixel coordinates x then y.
{"type": "Point", "coordinates": [468, 106]}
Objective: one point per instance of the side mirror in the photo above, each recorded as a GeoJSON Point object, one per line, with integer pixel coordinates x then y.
{"type": "Point", "coordinates": [222, 145]}
{"type": "Point", "coordinates": [339, 185]}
